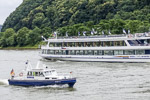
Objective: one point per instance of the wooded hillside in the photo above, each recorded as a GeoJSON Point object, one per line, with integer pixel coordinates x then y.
{"type": "Point", "coordinates": [34, 18]}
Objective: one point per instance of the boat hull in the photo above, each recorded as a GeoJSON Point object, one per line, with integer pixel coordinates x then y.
{"type": "Point", "coordinates": [137, 59]}
{"type": "Point", "coordinates": [70, 82]}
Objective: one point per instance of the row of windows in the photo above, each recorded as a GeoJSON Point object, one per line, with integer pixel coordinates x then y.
{"type": "Point", "coordinates": [88, 44]}
{"type": "Point", "coordinates": [94, 52]}
{"type": "Point", "coordinates": [30, 73]}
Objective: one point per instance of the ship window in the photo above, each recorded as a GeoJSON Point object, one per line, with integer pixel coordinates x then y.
{"type": "Point", "coordinates": [29, 74]}
{"type": "Point", "coordinates": [98, 44]}
{"type": "Point", "coordinates": [79, 44]}
{"type": "Point", "coordinates": [53, 70]}
{"type": "Point", "coordinates": [59, 52]}
{"type": "Point", "coordinates": [51, 52]}
{"type": "Point", "coordinates": [36, 73]}
{"type": "Point", "coordinates": [85, 44]}
{"type": "Point", "coordinates": [56, 52]}
{"type": "Point", "coordinates": [58, 44]}
{"type": "Point", "coordinates": [90, 52]}
{"type": "Point", "coordinates": [65, 44]}
{"type": "Point", "coordinates": [106, 43]}
{"type": "Point", "coordinates": [89, 44]}
{"type": "Point", "coordinates": [118, 52]}
{"type": "Point", "coordinates": [70, 44]}
{"type": "Point", "coordinates": [77, 52]}
{"type": "Point", "coordinates": [111, 43]}
{"type": "Point", "coordinates": [71, 52]}
{"type": "Point", "coordinates": [52, 44]}
{"type": "Point", "coordinates": [147, 51]}
{"type": "Point", "coordinates": [148, 41]}
{"type": "Point", "coordinates": [42, 51]}
{"type": "Point", "coordinates": [41, 74]}
{"type": "Point", "coordinates": [73, 44]}
{"type": "Point", "coordinates": [47, 73]}
{"type": "Point", "coordinates": [108, 52]}
{"type": "Point", "coordinates": [140, 52]}
{"type": "Point", "coordinates": [99, 52]}
{"type": "Point", "coordinates": [85, 52]}
{"type": "Point", "coordinates": [118, 43]}
{"type": "Point", "coordinates": [129, 52]}
{"type": "Point", "coordinates": [63, 52]}
{"type": "Point", "coordinates": [94, 44]}
{"type": "Point", "coordinates": [95, 52]}
{"type": "Point", "coordinates": [81, 52]}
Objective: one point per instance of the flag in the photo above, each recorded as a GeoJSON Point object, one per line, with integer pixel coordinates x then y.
{"type": "Point", "coordinates": [54, 34]}
{"type": "Point", "coordinates": [109, 32]}
{"type": "Point", "coordinates": [12, 72]}
{"type": "Point", "coordinates": [124, 31]}
{"type": "Point", "coordinates": [84, 33]}
{"type": "Point", "coordinates": [92, 32]}
{"type": "Point", "coordinates": [103, 33]}
{"type": "Point", "coordinates": [95, 32]}
{"type": "Point", "coordinates": [63, 48]}
{"type": "Point", "coordinates": [78, 33]}
{"type": "Point", "coordinates": [128, 31]}
{"type": "Point", "coordinates": [66, 34]}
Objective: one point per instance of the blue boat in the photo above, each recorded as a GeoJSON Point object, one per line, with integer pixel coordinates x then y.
{"type": "Point", "coordinates": [40, 76]}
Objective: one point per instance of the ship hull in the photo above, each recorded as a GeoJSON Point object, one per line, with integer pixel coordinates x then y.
{"type": "Point", "coordinates": [70, 82]}
{"type": "Point", "coordinates": [137, 59]}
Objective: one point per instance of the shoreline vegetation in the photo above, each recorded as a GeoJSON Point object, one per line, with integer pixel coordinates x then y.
{"type": "Point", "coordinates": [20, 48]}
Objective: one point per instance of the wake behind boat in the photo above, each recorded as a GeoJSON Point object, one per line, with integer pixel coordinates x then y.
{"type": "Point", "coordinates": [40, 76]}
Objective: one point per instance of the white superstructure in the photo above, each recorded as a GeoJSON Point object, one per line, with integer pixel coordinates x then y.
{"type": "Point", "coordinates": [106, 48]}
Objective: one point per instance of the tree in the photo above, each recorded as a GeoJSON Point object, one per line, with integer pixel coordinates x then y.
{"type": "Point", "coordinates": [9, 37]}
{"type": "Point", "coordinates": [34, 36]}
{"type": "Point", "coordinates": [22, 36]}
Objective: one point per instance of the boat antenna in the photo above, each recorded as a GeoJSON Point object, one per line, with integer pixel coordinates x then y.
{"type": "Point", "coordinates": [28, 65]}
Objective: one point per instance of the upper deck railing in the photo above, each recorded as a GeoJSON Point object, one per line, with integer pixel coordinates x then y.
{"type": "Point", "coordinates": [83, 37]}
{"type": "Point", "coordinates": [147, 34]}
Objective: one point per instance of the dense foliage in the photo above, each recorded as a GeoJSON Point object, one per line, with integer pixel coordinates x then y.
{"type": "Point", "coordinates": [34, 18]}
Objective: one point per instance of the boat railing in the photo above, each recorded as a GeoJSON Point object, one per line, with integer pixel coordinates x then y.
{"type": "Point", "coordinates": [140, 44]}
{"type": "Point", "coordinates": [82, 37]}
{"type": "Point", "coordinates": [146, 34]}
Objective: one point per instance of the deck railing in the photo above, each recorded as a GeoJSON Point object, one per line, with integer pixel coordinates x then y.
{"type": "Point", "coordinates": [147, 34]}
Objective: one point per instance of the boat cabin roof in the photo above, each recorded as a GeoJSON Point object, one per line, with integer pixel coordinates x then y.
{"type": "Point", "coordinates": [41, 70]}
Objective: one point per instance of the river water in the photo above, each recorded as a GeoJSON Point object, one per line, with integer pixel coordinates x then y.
{"type": "Point", "coordinates": [95, 80]}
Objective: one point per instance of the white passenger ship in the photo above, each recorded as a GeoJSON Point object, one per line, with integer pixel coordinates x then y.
{"type": "Point", "coordinates": [106, 48]}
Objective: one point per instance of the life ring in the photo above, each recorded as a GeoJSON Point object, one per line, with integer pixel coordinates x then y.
{"type": "Point", "coordinates": [21, 74]}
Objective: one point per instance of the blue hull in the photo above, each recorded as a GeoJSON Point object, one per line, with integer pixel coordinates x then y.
{"type": "Point", "coordinates": [70, 82]}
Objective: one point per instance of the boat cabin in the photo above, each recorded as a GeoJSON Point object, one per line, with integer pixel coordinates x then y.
{"type": "Point", "coordinates": [41, 72]}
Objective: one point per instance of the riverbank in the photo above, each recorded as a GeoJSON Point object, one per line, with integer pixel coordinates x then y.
{"type": "Point", "coordinates": [20, 48]}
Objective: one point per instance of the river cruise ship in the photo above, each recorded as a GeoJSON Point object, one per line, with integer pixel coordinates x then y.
{"type": "Point", "coordinates": [104, 48]}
